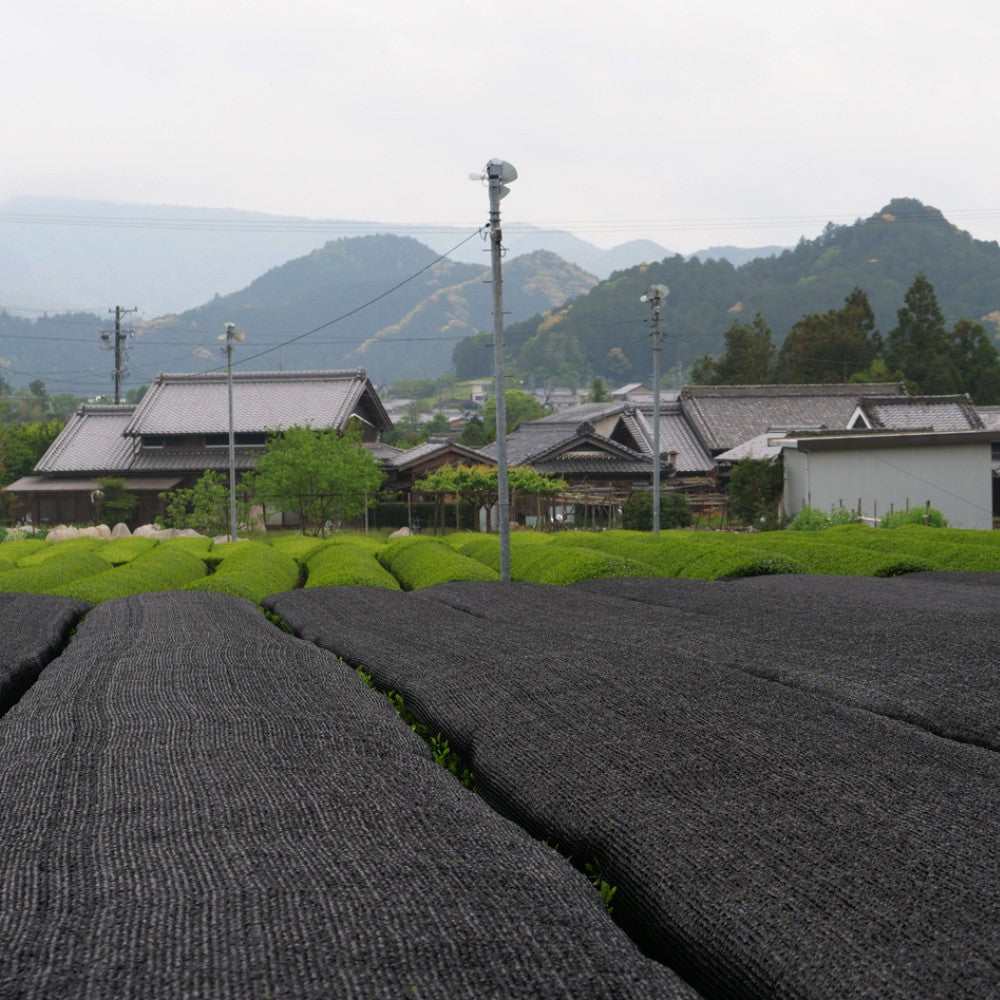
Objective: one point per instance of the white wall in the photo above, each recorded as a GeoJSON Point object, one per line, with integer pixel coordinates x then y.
{"type": "Point", "coordinates": [956, 479]}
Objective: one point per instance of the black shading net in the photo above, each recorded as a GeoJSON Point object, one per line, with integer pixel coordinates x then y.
{"type": "Point", "coordinates": [923, 648]}
{"type": "Point", "coordinates": [33, 629]}
{"type": "Point", "coordinates": [766, 840]}
{"type": "Point", "coordinates": [196, 804]}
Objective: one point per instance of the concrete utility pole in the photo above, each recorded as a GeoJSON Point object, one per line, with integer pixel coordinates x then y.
{"type": "Point", "coordinates": [498, 174]}
{"type": "Point", "coordinates": [121, 355]}
{"type": "Point", "coordinates": [655, 295]}
{"type": "Point", "coordinates": [229, 336]}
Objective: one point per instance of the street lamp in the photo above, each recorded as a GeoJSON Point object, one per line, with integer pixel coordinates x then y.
{"type": "Point", "coordinates": [498, 174]}
{"type": "Point", "coordinates": [229, 336]}
{"type": "Point", "coordinates": [655, 295]}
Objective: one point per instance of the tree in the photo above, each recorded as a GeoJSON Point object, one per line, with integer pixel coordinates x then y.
{"type": "Point", "coordinates": [521, 407]}
{"type": "Point", "coordinates": [323, 476]}
{"type": "Point", "coordinates": [976, 360]}
{"type": "Point", "coordinates": [480, 484]}
{"type": "Point", "coordinates": [22, 445]}
{"type": "Point", "coordinates": [748, 358]}
{"type": "Point", "coordinates": [205, 506]}
{"type": "Point", "coordinates": [832, 346]}
{"type": "Point", "coordinates": [637, 511]}
{"type": "Point", "coordinates": [598, 392]}
{"type": "Point", "coordinates": [116, 504]}
{"type": "Point", "coordinates": [919, 345]}
{"type": "Point", "coordinates": [474, 433]}
{"type": "Point", "coordinates": [755, 487]}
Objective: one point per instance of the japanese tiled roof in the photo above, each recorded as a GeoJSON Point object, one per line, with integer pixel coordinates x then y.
{"type": "Point", "coordinates": [676, 435]}
{"type": "Point", "coordinates": [569, 448]}
{"type": "Point", "coordinates": [432, 448]}
{"type": "Point", "coordinates": [724, 416]}
{"type": "Point", "coordinates": [92, 441]}
{"type": "Point", "coordinates": [191, 459]}
{"type": "Point", "coordinates": [940, 413]}
{"type": "Point", "coordinates": [262, 401]}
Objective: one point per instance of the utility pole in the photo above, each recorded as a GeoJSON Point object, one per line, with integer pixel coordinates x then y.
{"type": "Point", "coordinates": [498, 174]}
{"type": "Point", "coordinates": [655, 295]}
{"type": "Point", "coordinates": [121, 355]}
{"type": "Point", "coordinates": [229, 336]}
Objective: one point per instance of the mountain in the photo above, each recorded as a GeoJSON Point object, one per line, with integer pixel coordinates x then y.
{"type": "Point", "coordinates": [606, 331]}
{"type": "Point", "coordinates": [67, 254]}
{"type": "Point", "coordinates": [383, 303]}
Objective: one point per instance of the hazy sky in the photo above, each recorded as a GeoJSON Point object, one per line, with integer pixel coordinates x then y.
{"type": "Point", "coordinates": [691, 123]}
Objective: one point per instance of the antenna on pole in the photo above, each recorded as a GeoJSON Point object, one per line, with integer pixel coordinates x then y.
{"type": "Point", "coordinates": [655, 296]}
{"type": "Point", "coordinates": [498, 174]}
{"type": "Point", "coordinates": [121, 334]}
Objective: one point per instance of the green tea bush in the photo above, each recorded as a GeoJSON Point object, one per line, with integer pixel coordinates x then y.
{"type": "Point", "coordinates": [344, 564]}
{"type": "Point", "coordinates": [48, 576]}
{"type": "Point", "coordinates": [421, 562]}
{"type": "Point", "coordinates": [915, 515]}
{"type": "Point", "coordinates": [299, 547]}
{"type": "Point", "coordinates": [119, 551]}
{"type": "Point", "coordinates": [249, 569]}
{"type": "Point", "coordinates": [15, 549]}
{"type": "Point", "coordinates": [166, 567]}
{"type": "Point", "coordinates": [663, 555]}
{"type": "Point", "coordinates": [60, 550]}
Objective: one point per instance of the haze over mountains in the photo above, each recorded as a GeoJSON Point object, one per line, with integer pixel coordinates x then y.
{"type": "Point", "coordinates": [383, 303]}
{"type": "Point", "coordinates": [66, 255]}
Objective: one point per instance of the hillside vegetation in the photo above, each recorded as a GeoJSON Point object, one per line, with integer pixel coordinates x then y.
{"type": "Point", "coordinates": [606, 331]}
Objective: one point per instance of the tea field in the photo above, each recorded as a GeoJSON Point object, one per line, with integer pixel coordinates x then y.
{"type": "Point", "coordinates": [716, 766]}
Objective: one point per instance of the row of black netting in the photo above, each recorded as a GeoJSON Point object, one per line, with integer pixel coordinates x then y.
{"type": "Point", "coordinates": [196, 804]}
{"type": "Point", "coordinates": [33, 630]}
{"type": "Point", "coordinates": [792, 781]}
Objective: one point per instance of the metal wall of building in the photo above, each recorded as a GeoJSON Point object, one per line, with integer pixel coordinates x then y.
{"type": "Point", "coordinates": [956, 479]}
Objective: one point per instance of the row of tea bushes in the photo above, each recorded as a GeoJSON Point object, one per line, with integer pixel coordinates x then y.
{"type": "Point", "coordinates": [421, 562]}
{"type": "Point", "coordinates": [48, 575]}
{"type": "Point", "coordinates": [248, 569]}
{"type": "Point", "coordinates": [342, 563]}
{"type": "Point", "coordinates": [749, 825]}
{"type": "Point", "coordinates": [225, 811]}
{"type": "Point", "coordinates": [35, 629]}
{"type": "Point", "coordinates": [165, 567]}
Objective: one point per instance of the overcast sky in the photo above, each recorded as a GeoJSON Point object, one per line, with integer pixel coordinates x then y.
{"type": "Point", "coordinates": [692, 123]}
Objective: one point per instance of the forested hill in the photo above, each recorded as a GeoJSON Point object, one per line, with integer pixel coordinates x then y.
{"type": "Point", "coordinates": [606, 331]}
{"type": "Point", "coordinates": [405, 328]}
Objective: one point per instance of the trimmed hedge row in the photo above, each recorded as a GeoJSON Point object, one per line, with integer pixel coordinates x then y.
{"type": "Point", "coordinates": [227, 812]}
{"type": "Point", "coordinates": [165, 567]}
{"type": "Point", "coordinates": [248, 569]}
{"type": "Point", "coordinates": [51, 574]}
{"type": "Point", "coordinates": [749, 826]}
{"type": "Point", "coordinates": [343, 564]}
{"type": "Point", "coordinates": [119, 551]}
{"type": "Point", "coordinates": [421, 562]}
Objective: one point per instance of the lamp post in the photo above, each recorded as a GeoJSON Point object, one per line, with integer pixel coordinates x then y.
{"type": "Point", "coordinates": [229, 336]}
{"type": "Point", "coordinates": [498, 174]}
{"type": "Point", "coordinates": [655, 295]}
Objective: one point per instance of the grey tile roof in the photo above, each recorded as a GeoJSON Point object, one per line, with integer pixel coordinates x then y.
{"type": "Point", "coordinates": [724, 416]}
{"type": "Point", "coordinates": [198, 404]}
{"type": "Point", "coordinates": [91, 441]}
{"type": "Point", "coordinates": [584, 412]}
{"type": "Point", "coordinates": [195, 460]}
{"type": "Point", "coordinates": [570, 449]}
{"type": "Point", "coordinates": [990, 415]}
{"type": "Point", "coordinates": [431, 448]}
{"type": "Point", "coordinates": [940, 413]}
{"type": "Point", "coordinates": [676, 435]}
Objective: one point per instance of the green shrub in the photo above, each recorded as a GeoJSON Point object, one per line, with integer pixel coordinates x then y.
{"type": "Point", "coordinates": [637, 511]}
{"type": "Point", "coordinates": [60, 550]}
{"type": "Point", "coordinates": [810, 519]}
{"type": "Point", "coordinates": [249, 569]}
{"type": "Point", "coordinates": [16, 549]}
{"type": "Point", "coordinates": [299, 547]}
{"type": "Point", "coordinates": [122, 550]}
{"type": "Point", "coordinates": [566, 564]}
{"type": "Point", "coordinates": [166, 567]}
{"type": "Point", "coordinates": [51, 574]}
{"type": "Point", "coordinates": [930, 517]}
{"type": "Point", "coordinates": [421, 562]}
{"type": "Point", "coordinates": [344, 564]}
